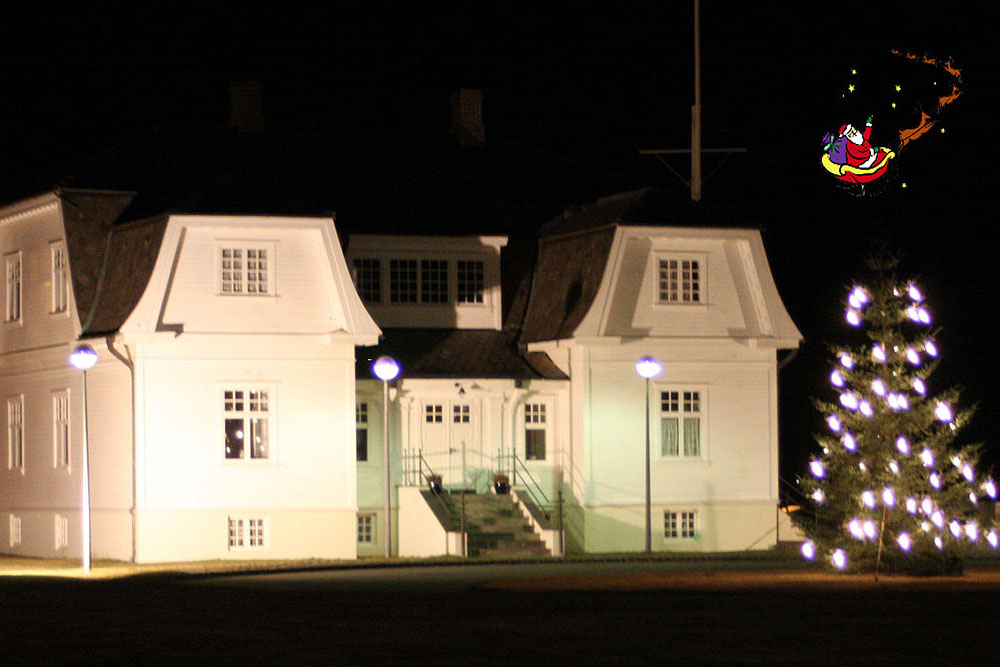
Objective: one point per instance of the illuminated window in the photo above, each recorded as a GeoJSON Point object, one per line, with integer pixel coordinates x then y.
{"type": "Point", "coordinates": [14, 287]}
{"type": "Point", "coordinates": [680, 525]}
{"type": "Point", "coordinates": [368, 279]}
{"type": "Point", "coordinates": [60, 278]}
{"type": "Point", "coordinates": [15, 530]}
{"type": "Point", "coordinates": [61, 532]}
{"type": "Point", "coordinates": [247, 423]}
{"type": "Point", "coordinates": [244, 271]}
{"type": "Point", "coordinates": [361, 429]}
{"type": "Point", "coordinates": [247, 533]}
{"type": "Point", "coordinates": [460, 414]}
{"type": "Point", "coordinates": [15, 433]}
{"type": "Point", "coordinates": [680, 424]}
{"type": "Point", "coordinates": [60, 429]}
{"type": "Point", "coordinates": [433, 414]}
{"type": "Point", "coordinates": [366, 528]}
{"type": "Point", "coordinates": [470, 282]}
{"type": "Point", "coordinates": [403, 284]}
{"type": "Point", "coordinates": [679, 280]}
{"type": "Point", "coordinates": [535, 426]}
{"type": "Point", "coordinates": [423, 281]}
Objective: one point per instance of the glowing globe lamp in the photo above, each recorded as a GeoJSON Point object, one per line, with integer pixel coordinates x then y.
{"type": "Point", "coordinates": [83, 357]}
{"type": "Point", "coordinates": [648, 367]}
{"type": "Point", "coordinates": [385, 368]}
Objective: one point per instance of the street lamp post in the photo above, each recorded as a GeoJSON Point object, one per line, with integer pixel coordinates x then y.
{"type": "Point", "coordinates": [83, 358]}
{"type": "Point", "coordinates": [386, 369]}
{"type": "Point", "coordinates": [649, 368]}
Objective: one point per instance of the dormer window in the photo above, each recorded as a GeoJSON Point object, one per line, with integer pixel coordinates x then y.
{"type": "Point", "coordinates": [368, 280]}
{"type": "Point", "coordinates": [244, 270]}
{"type": "Point", "coordinates": [470, 282]}
{"type": "Point", "coordinates": [679, 280]}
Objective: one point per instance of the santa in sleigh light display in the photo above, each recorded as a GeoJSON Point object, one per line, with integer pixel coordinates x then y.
{"type": "Point", "coordinates": [852, 159]}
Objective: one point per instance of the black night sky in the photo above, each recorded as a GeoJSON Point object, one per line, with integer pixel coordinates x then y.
{"type": "Point", "coordinates": [597, 85]}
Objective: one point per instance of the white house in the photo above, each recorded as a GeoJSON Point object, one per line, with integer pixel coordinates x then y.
{"type": "Point", "coordinates": [234, 354]}
{"type": "Point", "coordinates": [222, 405]}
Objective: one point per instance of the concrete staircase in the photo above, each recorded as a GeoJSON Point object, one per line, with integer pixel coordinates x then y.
{"type": "Point", "coordinates": [496, 528]}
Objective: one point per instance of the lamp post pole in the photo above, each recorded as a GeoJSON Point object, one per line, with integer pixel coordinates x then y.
{"type": "Point", "coordinates": [83, 358]}
{"type": "Point", "coordinates": [648, 368]}
{"type": "Point", "coordinates": [386, 369]}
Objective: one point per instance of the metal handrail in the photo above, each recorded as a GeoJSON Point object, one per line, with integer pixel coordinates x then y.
{"type": "Point", "coordinates": [531, 488]}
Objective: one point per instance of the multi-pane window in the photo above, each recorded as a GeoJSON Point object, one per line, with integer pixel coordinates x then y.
{"type": "Point", "coordinates": [433, 281]}
{"type": "Point", "coordinates": [366, 528]}
{"type": "Point", "coordinates": [14, 287]}
{"type": "Point", "coordinates": [247, 533]}
{"type": "Point", "coordinates": [680, 423]}
{"type": "Point", "coordinates": [244, 270]}
{"type": "Point", "coordinates": [470, 281]}
{"type": "Point", "coordinates": [60, 429]}
{"type": "Point", "coordinates": [247, 418]}
{"type": "Point", "coordinates": [403, 283]}
{"type": "Point", "coordinates": [680, 525]}
{"type": "Point", "coordinates": [433, 414]}
{"type": "Point", "coordinates": [679, 281]}
{"type": "Point", "coordinates": [460, 414]}
{"type": "Point", "coordinates": [60, 278]}
{"type": "Point", "coordinates": [15, 433]}
{"type": "Point", "coordinates": [534, 431]}
{"type": "Point", "coordinates": [361, 429]}
{"type": "Point", "coordinates": [15, 530]}
{"type": "Point", "coordinates": [368, 279]}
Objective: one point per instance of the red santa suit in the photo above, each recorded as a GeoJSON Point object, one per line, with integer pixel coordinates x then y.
{"type": "Point", "coordinates": [859, 155]}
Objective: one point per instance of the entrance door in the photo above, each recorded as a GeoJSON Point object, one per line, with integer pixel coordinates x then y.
{"type": "Point", "coordinates": [464, 450]}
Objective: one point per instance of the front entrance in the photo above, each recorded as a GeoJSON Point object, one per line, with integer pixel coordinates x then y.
{"type": "Point", "coordinates": [450, 444]}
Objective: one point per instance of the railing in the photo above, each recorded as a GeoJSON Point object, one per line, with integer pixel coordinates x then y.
{"type": "Point", "coordinates": [532, 487]}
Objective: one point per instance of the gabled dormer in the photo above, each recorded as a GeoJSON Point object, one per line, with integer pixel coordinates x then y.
{"type": "Point", "coordinates": [429, 282]}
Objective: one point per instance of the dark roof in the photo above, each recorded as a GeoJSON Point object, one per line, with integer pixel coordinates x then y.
{"type": "Point", "coordinates": [457, 353]}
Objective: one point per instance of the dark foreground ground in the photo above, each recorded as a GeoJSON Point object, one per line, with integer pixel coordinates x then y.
{"type": "Point", "coordinates": [546, 614]}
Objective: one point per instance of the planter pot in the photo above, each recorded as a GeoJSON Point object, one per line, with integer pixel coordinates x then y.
{"type": "Point", "coordinates": [501, 488]}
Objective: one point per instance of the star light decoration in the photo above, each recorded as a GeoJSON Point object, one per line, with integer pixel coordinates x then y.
{"type": "Point", "coordinates": [880, 477]}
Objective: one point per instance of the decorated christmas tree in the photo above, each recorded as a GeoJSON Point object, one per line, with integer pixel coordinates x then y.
{"type": "Point", "coordinates": [891, 490]}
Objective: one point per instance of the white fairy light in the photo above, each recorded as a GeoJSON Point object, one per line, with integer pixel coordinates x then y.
{"type": "Point", "coordinates": [893, 401]}
{"type": "Point", "coordinates": [839, 559]}
{"type": "Point", "coordinates": [935, 480]}
{"type": "Point", "coordinates": [904, 541]}
{"type": "Point", "coordinates": [992, 538]}
{"type": "Point", "coordinates": [991, 489]}
{"type": "Point", "coordinates": [903, 445]}
{"type": "Point", "coordinates": [938, 542]}
{"type": "Point", "coordinates": [911, 312]}
{"type": "Point", "coordinates": [808, 550]}
{"type": "Point", "coordinates": [956, 528]}
{"type": "Point", "coordinates": [912, 356]}
{"type": "Point", "coordinates": [923, 316]}
{"type": "Point", "coordinates": [894, 467]}
{"type": "Point", "coordinates": [878, 386]}
{"type": "Point", "coordinates": [870, 531]}
{"type": "Point", "coordinates": [943, 412]}
{"type": "Point", "coordinates": [868, 498]}
{"type": "Point", "coordinates": [862, 467]}
{"type": "Point", "coordinates": [855, 529]}
{"type": "Point", "coordinates": [849, 400]}
{"type": "Point", "coordinates": [853, 317]}
{"type": "Point", "coordinates": [865, 408]}
{"type": "Point", "coordinates": [937, 518]}
{"type": "Point", "coordinates": [911, 505]}
{"type": "Point", "coordinates": [896, 292]}
{"type": "Point", "coordinates": [925, 526]}
{"type": "Point", "coordinates": [837, 379]}
{"type": "Point", "coordinates": [819, 496]}
{"type": "Point", "coordinates": [972, 498]}
{"type": "Point", "coordinates": [955, 461]}
{"type": "Point", "coordinates": [927, 505]}
{"type": "Point", "coordinates": [919, 386]}
{"type": "Point", "coordinates": [888, 497]}
{"type": "Point", "coordinates": [834, 423]}
{"type": "Point", "coordinates": [914, 293]}
{"type": "Point", "coordinates": [927, 456]}
{"type": "Point", "coordinates": [850, 444]}
{"type": "Point", "coordinates": [817, 469]}
{"type": "Point", "coordinates": [930, 348]}
{"type": "Point", "coordinates": [902, 403]}
{"type": "Point", "coordinates": [858, 298]}
{"type": "Point", "coordinates": [968, 473]}
{"type": "Point", "coordinates": [972, 531]}
{"type": "Point", "coordinates": [848, 362]}
{"type": "Point", "coordinates": [878, 353]}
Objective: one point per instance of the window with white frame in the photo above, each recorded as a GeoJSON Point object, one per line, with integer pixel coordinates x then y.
{"type": "Point", "coordinates": [461, 414]}
{"type": "Point", "coordinates": [679, 280]}
{"type": "Point", "coordinates": [535, 426]}
{"type": "Point", "coordinates": [434, 413]}
{"type": "Point", "coordinates": [368, 279]}
{"type": "Point", "coordinates": [60, 278]}
{"type": "Point", "coordinates": [14, 287]}
{"type": "Point", "coordinates": [470, 284]}
{"type": "Point", "coordinates": [433, 281]}
{"type": "Point", "coordinates": [15, 433]}
{"type": "Point", "coordinates": [247, 533]}
{"type": "Point", "coordinates": [15, 530]}
{"type": "Point", "coordinates": [680, 423]}
{"type": "Point", "coordinates": [680, 525]}
{"type": "Point", "coordinates": [418, 281]}
{"type": "Point", "coordinates": [366, 527]}
{"type": "Point", "coordinates": [247, 418]}
{"type": "Point", "coordinates": [61, 532]}
{"type": "Point", "coordinates": [403, 283]}
{"type": "Point", "coordinates": [60, 428]}
{"type": "Point", "coordinates": [244, 270]}
{"type": "Point", "coordinates": [361, 430]}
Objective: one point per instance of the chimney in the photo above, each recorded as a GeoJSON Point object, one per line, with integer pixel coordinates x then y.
{"type": "Point", "coordinates": [467, 117]}
{"type": "Point", "coordinates": [246, 112]}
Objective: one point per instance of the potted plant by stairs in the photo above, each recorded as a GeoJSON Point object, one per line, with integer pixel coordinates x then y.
{"type": "Point", "coordinates": [501, 483]}
{"type": "Point", "coordinates": [434, 482]}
